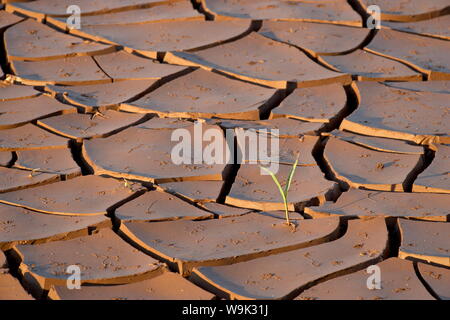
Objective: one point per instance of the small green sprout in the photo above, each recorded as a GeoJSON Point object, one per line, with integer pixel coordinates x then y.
{"type": "Point", "coordinates": [33, 171]}
{"type": "Point", "coordinates": [284, 192]}
{"type": "Point", "coordinates": [126, 184]}
{"type": "Point", "coordinates": [97, 113]}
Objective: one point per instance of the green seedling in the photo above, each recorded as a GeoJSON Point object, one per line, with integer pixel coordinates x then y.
{"type": "Point", "coordinates": [97, 114]}
{"type": "Point", "coordinates": [127, 184]}
{"type": "Point", "coordinates": [284, 192]}
{"type": "Point", "coordinates": [33, 171]}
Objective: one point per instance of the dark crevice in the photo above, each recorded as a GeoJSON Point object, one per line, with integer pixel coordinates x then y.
{"type": "Point", "coordinates": [160, 56]}
{"type": "Point", "coordinates": [76, 150]}
{"type": "Point", "coordinates": [394, 237]}
{"type": "Point", "coordinates": [424, 283]}
{"type": "Point", "coordinates": [318, 154]}
{"type": "Point", "coordinates": [13, 159]}
{"type": "Point", "coordinates": [424, 162]}
{"type": "Point", "coordinates": [232, 168]}
{"type": "Point", "coordinates": [352, 100]}
{"type": "Point", "coordinates": [230, 177]}
{"type": "Point", "coordinates": [41, 89]}
{"type": "Point", "coordinates": [372, 34]}
{"type": "Point", "coordinates": [198, 6]}
{"type": "Point", "coordinates": [171, 77]}
{"type": "Point", "coordinates": [4, 65]}
{"type": "Point", "coordinates": [13, 261]}
{"type": "Point", "coordinates": [290, 87]}
{"type": "Point", "coordinates": [272, 103]}
{"type": "Point", "coordinates": [111, 210]}
{"type": "Point", "coordinates": [356, 5]}
{"type": "Point", "coordinates": [100, 67]}
{"type": "Point", "coordinates": [256, 25]}
{"type": "Point", "coordinates": [351, 105]}
{"type": "Point", "coordinates": [312, 55]}
{"type": "Point", "coordinates": [343, 226]}
{"type": "Point", "coordinates": [336, 192]}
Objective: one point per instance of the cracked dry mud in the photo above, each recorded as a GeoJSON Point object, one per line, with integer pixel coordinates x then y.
{"type": "Point", "coordinates": [86, 175]}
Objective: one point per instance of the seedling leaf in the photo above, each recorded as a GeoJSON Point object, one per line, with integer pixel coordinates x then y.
{"type": "Point", "coordinates": [276, 182]}
{"type": "Point", "coordinates": [291, 175]}
{"type": "Point", "coordinates": [284, 193]}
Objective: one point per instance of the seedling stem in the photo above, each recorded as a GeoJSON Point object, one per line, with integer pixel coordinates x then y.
{"type": "Point", "coordinates": [284, 192]}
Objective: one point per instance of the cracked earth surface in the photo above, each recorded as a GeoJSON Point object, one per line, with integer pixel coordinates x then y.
{"type": "Point", "coordinates": [86, 177]}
